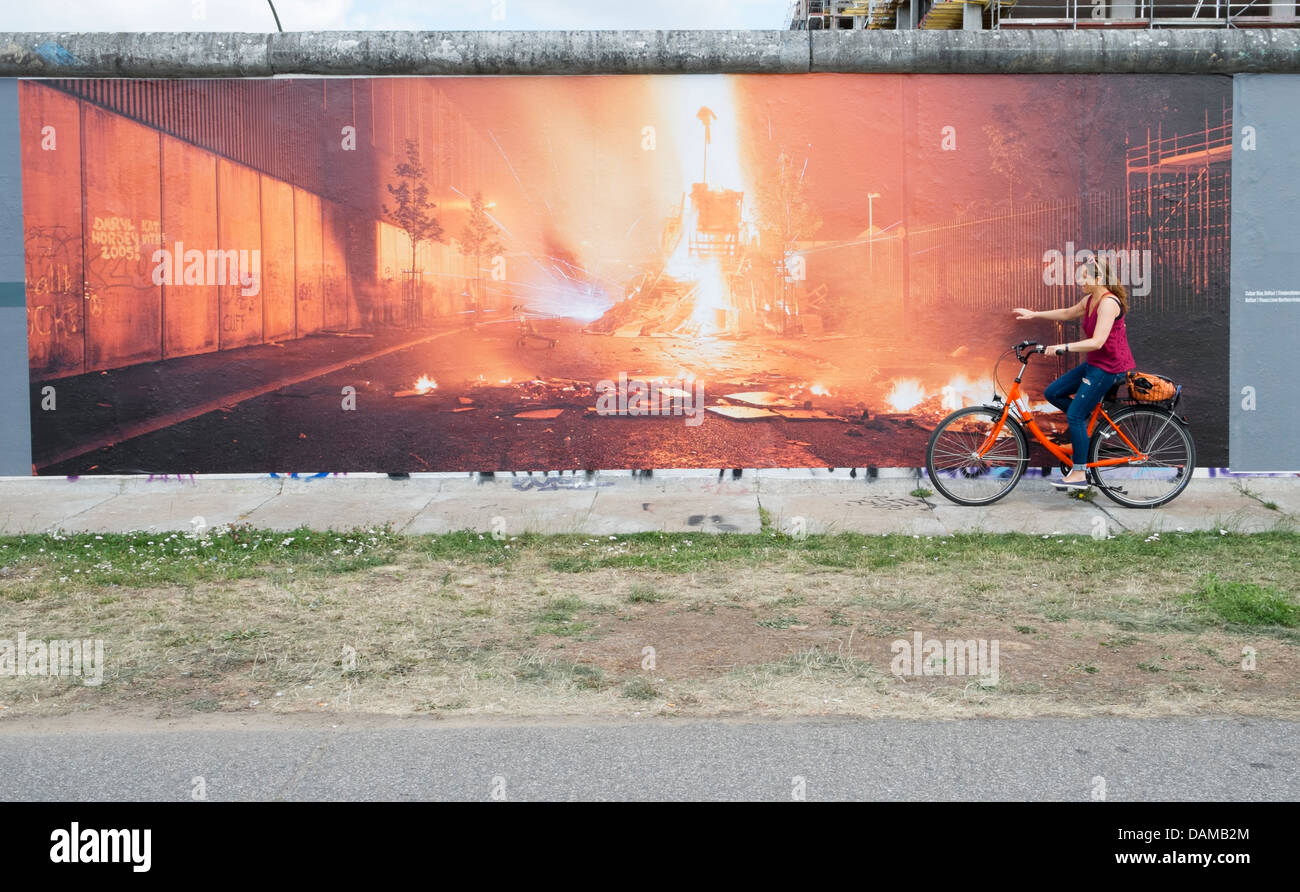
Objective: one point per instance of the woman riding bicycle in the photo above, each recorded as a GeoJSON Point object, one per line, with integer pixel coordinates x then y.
{"type": "Point", "coordinates": [1102, 309]}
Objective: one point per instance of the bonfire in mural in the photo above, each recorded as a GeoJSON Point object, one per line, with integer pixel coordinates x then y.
{"type": "Point", "coordinates": [696, 287]}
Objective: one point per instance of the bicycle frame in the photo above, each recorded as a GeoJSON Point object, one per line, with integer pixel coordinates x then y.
{"type": "Point", "coordinates": [1064, 454]}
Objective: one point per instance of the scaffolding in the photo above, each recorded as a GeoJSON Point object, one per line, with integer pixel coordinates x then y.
{"type": "Point", "coordinates": [1179, 190]}
{"type": "Point", "coordinates": [1171, 216]}
{"type": "Point", "coordinates": [1147, 14]}
{"type": "Point", "coordinates": [841, 15]}
{"type": "Point", "coordinates": [830, 15]}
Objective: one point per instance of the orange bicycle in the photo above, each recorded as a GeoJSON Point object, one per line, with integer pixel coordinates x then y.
{"type": "Point", "coordinates": [1141, 456]}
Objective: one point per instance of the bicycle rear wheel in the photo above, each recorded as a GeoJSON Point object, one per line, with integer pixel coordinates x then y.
{"type": "Point", "coordinates": [1146, 484]}
{"type": "Point", "coordinates": [955, 466]}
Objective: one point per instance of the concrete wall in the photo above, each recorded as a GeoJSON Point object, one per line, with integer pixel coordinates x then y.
{"type": "Point", "coordinates": [1263, 405]}
{"type": "Point", "coordinates": [15, 432]}
{"type": "Point", "coordinates": [209, 54]}
{"type": "Point", "coordinates": [146, 190]}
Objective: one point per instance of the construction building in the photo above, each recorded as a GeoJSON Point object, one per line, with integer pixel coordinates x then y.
{"type": "Point", "coordinates": [952, 15]}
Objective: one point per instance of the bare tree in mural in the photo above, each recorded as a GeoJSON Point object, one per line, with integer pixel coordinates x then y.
{"type": "Point", "coordinates": [1006, 151]}
{"type": "Point", "coordinates": [479, 239]}
{"type": "Point", "coordinates": [413, 210]}
{"type": "Point", "coordinates": [784, 215]}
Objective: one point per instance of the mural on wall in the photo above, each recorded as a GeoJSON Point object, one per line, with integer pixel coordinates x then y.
{"type": "Point", "coordinates": [475, 274]}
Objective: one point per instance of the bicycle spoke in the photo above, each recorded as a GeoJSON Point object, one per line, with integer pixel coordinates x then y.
{"type": "Point", "coordinates": [1158, 477]}
{"type": "Point", "coordinates": [957, 467]}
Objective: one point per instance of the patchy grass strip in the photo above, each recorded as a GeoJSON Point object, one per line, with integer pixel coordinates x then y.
{"type": "Point", "coordinates": [239, 619]}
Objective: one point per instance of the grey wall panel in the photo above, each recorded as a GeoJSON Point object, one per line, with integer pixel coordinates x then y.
{"type": "Point", "coordinates": [1264, 366]}
{"type": "Point", "coordinates": [15, 418]}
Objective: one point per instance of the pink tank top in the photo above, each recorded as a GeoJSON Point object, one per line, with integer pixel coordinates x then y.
{"type": "Point", "coordinates": [1114, 355]}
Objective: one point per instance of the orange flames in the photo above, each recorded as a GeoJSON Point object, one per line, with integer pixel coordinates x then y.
{"type": "Point", "coordinates": [905, 395]}
{"type": "Point", "coordinates": [424, 384]}
{"type": "Point", "coordinates": [909, 395]}
{"type": "Point", "coordinates": [960, 393]}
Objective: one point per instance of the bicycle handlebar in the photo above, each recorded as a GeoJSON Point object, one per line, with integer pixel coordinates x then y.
{"type": "Point", "coordinates": [1027, 347]}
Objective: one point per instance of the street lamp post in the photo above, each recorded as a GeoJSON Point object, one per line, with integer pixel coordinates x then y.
{"type": "Point", "coordinates": [871, 230]}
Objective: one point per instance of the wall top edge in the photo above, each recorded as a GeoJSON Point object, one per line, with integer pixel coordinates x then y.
{"type": "Point", "coordinates": [396, 53]}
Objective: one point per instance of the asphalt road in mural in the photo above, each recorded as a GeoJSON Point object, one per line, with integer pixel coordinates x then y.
{"type": "Point", "coordinates": [535, 409]}
{"type": "Point", "coordinates": [555, 273]}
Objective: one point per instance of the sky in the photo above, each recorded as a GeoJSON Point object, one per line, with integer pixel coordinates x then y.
{"type": "Point", "coordinates": [377, 15]}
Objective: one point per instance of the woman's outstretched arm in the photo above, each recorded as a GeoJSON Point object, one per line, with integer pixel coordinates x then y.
{"type": "Point", "coordinates": [1065, 315]}
{"type": "Point", "coordinates": [1107, 313]}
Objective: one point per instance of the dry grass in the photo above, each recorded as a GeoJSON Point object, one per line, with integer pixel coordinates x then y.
{"type": "Point", "coordinates": [738, 625]}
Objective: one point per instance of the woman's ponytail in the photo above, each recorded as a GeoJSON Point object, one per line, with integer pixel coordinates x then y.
{"type": "Point", "coordinates": [1106, 275]}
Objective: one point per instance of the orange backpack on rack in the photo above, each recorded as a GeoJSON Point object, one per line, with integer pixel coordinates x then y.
{"type": "Point", "coordinates": [1146, 387]}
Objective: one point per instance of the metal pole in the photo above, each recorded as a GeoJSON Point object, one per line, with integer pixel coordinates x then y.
{"type": "Point", "coordinates": [871, 230]}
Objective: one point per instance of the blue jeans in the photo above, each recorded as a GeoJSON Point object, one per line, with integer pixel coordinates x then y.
{"type": "Point", "coordinates": [1088, 384]}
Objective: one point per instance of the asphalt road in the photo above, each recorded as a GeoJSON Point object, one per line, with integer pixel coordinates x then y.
{"type": "Point", "coordinates": [893, 760]}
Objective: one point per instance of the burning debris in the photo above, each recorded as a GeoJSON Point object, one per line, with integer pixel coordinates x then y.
{"type": "Point", "coordinates": [741, 413]}
{"type": "Point", "coordinates": [908, 398]}
{"type": "Point", "coordinates": [656, 305]}
{"type": "Point", "coordinates": [763, 399]}
{"type": "Point", "coordinates": [904, 401]}
{"type": "Point", "coordinates": [424, 385]}
{"type": "Point", "coordinates": [808, 415]}
{"type": "Point", "coordinates": [905, 395]}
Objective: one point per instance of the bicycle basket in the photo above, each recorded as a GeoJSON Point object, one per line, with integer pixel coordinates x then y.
{"type": "Point", "coordinates": [1147, 387]}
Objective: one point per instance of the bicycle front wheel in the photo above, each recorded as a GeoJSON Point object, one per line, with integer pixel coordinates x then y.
{"type": "Point", "coordinates": [1171, 456]}
{"type": "Point", "coordinates": [958, 470]}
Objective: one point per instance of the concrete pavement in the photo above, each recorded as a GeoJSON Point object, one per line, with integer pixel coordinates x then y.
{"type": "Point", "coordinates": [616, 502]}
{"type": "Point", "coordinates": [319, 758]}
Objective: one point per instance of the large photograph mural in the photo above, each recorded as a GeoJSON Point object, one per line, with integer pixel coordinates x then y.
{"type": "Point", "coordinates": [486, 274]}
